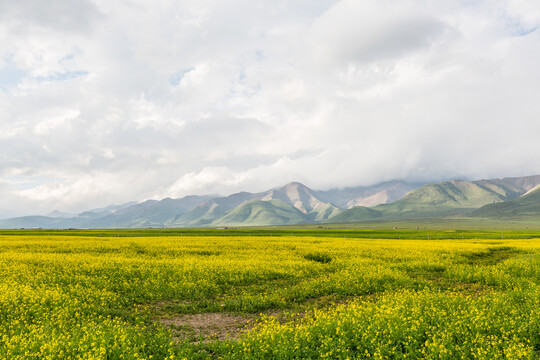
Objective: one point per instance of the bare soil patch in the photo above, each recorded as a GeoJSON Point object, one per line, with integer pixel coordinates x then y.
{"type": "Point", "coordinates": [208, 326]}
{"type": "Point", "coordinates": [474, 290]}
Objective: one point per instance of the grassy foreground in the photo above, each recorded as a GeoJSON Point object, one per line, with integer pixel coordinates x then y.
{"type": "Point", "coordinates": [267, 297]}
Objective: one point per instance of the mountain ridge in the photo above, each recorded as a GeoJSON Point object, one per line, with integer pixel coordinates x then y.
{"type": "Point", "coordinates": [526, 205]}
{"type": "Point", "coordinates": [447, 198]}
{"type": "Point", "coordinates": [295, 203]}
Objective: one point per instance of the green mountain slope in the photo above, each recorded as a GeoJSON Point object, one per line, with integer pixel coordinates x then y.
{"type": "Point", "coordinates": [447, 198]}
{"type": "Point", "coordinates": [295, 203]}
{"type": "Point", "coordinates": [454, 197]}
{"type": "Point", "coordinates": [304, 199]}
{"type": "Point", "coordinates": [323, 212]}
{"type": "Point", "coordinates": [526, 205]}
{"type": "Point", "coordinates": [208, 211]}
{"type": "Point", "coordinates": [201, 215]}
{"type": "Point", "coordinates": [357, 213]}
{"type": "Point", "coordinates": [257, 212]}
{"type": "Point", "coordinates": [303, 205]}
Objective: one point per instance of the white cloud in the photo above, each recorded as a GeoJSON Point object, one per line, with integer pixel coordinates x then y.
{"type": "Point", "coordinates": [54, 123]}
{"type": "Point", "coordinates": [120, 101]}
{"type": "Point", "coordinates": [525, 13]}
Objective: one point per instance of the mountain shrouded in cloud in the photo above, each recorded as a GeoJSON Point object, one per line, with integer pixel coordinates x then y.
{"type": "Point", "coordinates": [290, 204]}
{"type": "Point", "coordinates": [107, 102]}
{"type": "Point", "coordinates": [296, 204]}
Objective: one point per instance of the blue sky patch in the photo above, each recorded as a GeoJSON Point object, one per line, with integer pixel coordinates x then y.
{"type": "Point", "coordinates": [10, 75]}
{"type": "Point", "coordinates": [62, 76]}
{"type": "Point", "coordinates": [175, 79]}
{"type": "Point", "coordinates": [525, 32]}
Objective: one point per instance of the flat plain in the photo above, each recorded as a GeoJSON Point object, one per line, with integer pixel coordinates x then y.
{"type": "Point", "coordinates": [283, 293]}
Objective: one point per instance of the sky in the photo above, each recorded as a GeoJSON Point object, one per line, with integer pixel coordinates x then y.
{"type": "Point", "coordinates": [104, 102]}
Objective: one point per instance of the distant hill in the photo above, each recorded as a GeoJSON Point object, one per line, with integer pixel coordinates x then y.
{"type": "Point", "coordinates": [526, 205]}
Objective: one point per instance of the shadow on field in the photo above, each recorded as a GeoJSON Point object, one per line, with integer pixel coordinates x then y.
{"type": "Point", "coordinates": [490, 256]}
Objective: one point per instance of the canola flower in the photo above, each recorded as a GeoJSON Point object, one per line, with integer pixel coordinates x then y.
{"type": "Point", "coordinates": [92, 298]}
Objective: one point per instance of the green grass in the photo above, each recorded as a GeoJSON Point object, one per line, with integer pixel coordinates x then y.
{"type": "Point", "coordinates": [318, 257]}
{"type": "Point", "coordinates": [432, 228]}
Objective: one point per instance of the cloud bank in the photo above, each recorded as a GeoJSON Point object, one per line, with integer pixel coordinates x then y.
{"type": "Point", "coordinates": [105, 102]}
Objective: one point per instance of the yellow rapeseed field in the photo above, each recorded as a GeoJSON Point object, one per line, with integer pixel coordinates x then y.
{"type": "Point", "coordinates": [69, 297]}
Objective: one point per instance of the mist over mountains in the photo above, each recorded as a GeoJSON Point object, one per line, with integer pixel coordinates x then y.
{"type": "Point", "coordinates": [295, 203]}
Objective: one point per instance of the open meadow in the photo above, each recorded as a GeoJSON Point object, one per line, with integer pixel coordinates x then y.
{"type": "Point", "coordinates": [249, 295]}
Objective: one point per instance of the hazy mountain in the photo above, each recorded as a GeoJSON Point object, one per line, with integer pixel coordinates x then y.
{"type": "Point", "coordinates": [112, 208]}
{"type": "Point", "coordinates": [518, 184]}
{"type": "Point", "coordinates": [383, 193]}
{"type": "Point", "coordinates": [60, 214]}
{"type": "Point", "coordinates": [295, 203]}
{"type": "Point", "coordinates": [31, 222]}
{"type": "Point", "coordinates": [526, 205]}
{"type": "Point", "coordinates": [150, 213]}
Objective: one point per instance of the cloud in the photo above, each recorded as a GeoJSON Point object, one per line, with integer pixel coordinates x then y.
{"type": "Point", "coordinates": [359, 32]}
{"type": "Point", "coordinates": [107, 102]}
{"type": "Point", "coordinates": [59, 15]}
{"type": "Point", "coordinates": [10, 75]}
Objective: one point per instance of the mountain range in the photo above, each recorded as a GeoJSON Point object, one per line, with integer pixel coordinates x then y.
{"type": "Point", "coordinates": [295, 203]}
